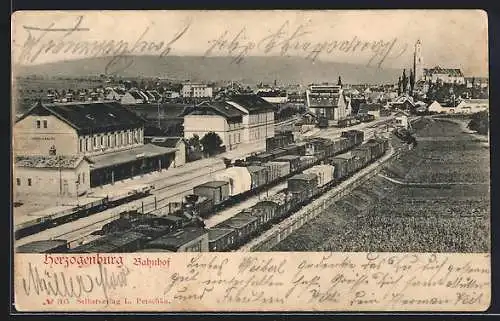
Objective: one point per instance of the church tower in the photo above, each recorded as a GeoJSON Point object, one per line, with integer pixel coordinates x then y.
{"type": "Point", "coordinates": [418, 62]}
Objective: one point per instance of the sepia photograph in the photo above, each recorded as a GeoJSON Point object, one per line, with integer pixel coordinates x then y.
{"type": "Point", "coordinates": [276, 132]}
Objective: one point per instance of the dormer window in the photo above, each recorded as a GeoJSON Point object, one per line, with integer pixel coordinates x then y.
{"type": "Point", "coordinates": [112, 115]}
{"type": "Point", "coordinates": [89, 116]}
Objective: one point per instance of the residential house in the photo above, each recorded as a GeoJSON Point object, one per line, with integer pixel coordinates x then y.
{"type": "Point", "coordinates": [471, 106]}
{"type": "Point", "coordinates": [436, 107]}
{"type": "Point", "coordinates": [133, 97]}
{"type": "Point", "coordinates": [153, 96]}
{"type": "Point", "coordinates": [196, 90]}
{"type": "Point", "coordinates": [258, 117]}
{"type": "Point", "coordinates": [221, 118]}
{"type": "Point", "coordinates": [403, 102]}
{"type": "Point", "coordinates": [115, 94]}
{"type": "Point", "coordinates": [370, 109]}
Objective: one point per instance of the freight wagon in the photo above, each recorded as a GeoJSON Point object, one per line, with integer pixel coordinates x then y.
{"type": "Point", "coordinates": [259, 158]}
{"type": "Point", "coordinates": [238, 179]}
{"type": "Point", "coordinates": [258, 175]}
{"type": "Point", "coordinates": [189, 239]}
{"type": "Point", "coordinates": [303, 182]}
{"type": "Point", "coordinates": [237, 230]}
{"type": "Point", "coordinates": [280, 140]}
{"type": "Point", "coordinates": [221, 239]}
{"type": "Point", "coordinates": [90, 205]}
{"type": "Point", "coordinates": [217, 191]}
{"type": "Point", "coordinates": [324, 174]}
{"type": "Point", "coordinates": [293, 160]}
{"type": "Point", "coordinates": [44, 246]}
{"type": "Point", "coordinates": [245, 227]}
{"type": "Point", "coordinates": [119, 242]}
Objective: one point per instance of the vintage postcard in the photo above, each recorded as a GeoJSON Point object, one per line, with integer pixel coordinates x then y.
{"type": "Point", "coordinates": [290, 160]}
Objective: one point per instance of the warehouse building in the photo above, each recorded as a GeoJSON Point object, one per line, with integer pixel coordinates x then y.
{"type": "Point", "coordinates": [51, 175]}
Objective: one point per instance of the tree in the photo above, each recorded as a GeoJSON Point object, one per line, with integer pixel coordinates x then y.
{"type": "Point", "coordinates": [211, 143]}
{"type": "Point", "coordinates": [399, 86]}
{"type": "Point", "coordinates": [339, 82]}
{"type": "Point", "coordinates": [194, 142]}
{"type": "Point", "coordinates": [404, 82]}
{"type": "Point", "coordinates": [412, 82]}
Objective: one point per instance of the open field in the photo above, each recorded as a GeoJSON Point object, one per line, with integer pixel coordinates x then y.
{"type": "Point", "coordinates": [388, 216]}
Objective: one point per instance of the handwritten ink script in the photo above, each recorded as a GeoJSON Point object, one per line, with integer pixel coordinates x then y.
{"type": "Point", "coordinates": [53, 39]}
{"type": "Point", "coordinates": [290, 40]}
{"type": "Point", "coordinates": [255, 282]}
{"type": "Point", "coordinates": [78, 38]}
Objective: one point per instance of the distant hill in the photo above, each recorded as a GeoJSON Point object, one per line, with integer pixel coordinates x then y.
{"type": "Point", "coordinates": [252, 70]}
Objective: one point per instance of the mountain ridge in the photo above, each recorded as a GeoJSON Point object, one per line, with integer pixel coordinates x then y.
{"type": "Point", "coordinates": [253, 69]}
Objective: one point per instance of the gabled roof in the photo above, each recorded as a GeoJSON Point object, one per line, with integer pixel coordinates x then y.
{"type": "Point", "coordinates": [119, 91]}
{"type": "Point", "coordinates": [154, 94]}
{"type": "Point", "coordinates": [90, 117]}
{"type": "Point", "coordinates": [252, 103]}
{"type": "Point", "coordinates": [453, 72]}
{"type": "Point", "coordinates": [136, 94]}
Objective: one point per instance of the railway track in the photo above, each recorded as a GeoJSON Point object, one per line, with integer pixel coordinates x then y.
{"type": "Point", "coordinates": [79, 229]}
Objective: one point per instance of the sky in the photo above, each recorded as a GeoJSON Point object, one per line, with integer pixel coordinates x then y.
{"type": "Point", "coordinates": [450, 38]}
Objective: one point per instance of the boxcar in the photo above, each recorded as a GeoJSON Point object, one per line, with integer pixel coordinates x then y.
{"type": "Point", "coordinates": [303, 182]}
{"type": "Point", "coordinates": [341, 167]}
{"type": "Point", "coordinates": [293, 160]}
{"type": "Point", "coordinates": [258, 175]}
{"type": "Point", "coordinates": [364, 152]}
{"type": "Point", "coordinates": [238, 178]}
{"type": "Point", "coordinates": [204, 206]}
{"type": "Point", "coordinates": [218, 191]}
{"type": "Point", "coordinates": [259, 158]}
{"type": "Point", "coordinates": [189, 239]}
{"type": "Point", "coordinates": [308, 161]}
{"type": "Point", "coordinates": [349, 157]}
{"type": "Point", "coordinates": [278, 152]}
{"type": "Point", "coordinates": [279, 204]}
{"type": "Point", "coordinates": [277, 170]}
{"type": "Point", "coordinates": [221, 239]}
{"type": "Point", "coordinates": [244, 225]}
{"type": "Point", "coordinates": [324, 173]}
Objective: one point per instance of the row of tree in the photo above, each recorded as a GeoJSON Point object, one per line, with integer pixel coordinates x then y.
{"type": "Point", "coordinates": [406, 84]}
{"type": "Point", "coordinates": [209, 145]}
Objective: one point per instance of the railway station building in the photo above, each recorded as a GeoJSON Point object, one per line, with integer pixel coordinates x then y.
{"type": "Point", "coordinates": [108, 135]}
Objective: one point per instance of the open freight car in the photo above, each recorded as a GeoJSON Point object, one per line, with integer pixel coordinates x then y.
{"type": "Point", "coordinates": [44, 246]}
